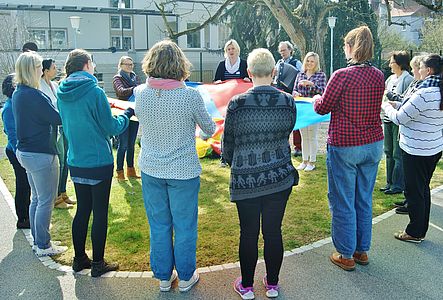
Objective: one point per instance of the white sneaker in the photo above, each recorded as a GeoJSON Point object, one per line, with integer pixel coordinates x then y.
{"type": "Point", "coordinates": [165, 285]}
{"type": "Point", "coordinates": [186, 285]}
{"type": "Point", "coordinates": [56, 243]}
{"type": "Point", "coordinates": [52, 250]}
{"type": "Point", "coordinates": [301, 166]}
{"type": "Point", "coordinates": [309, 168]}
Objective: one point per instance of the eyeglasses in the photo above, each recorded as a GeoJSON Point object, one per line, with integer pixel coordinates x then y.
{"type": "Point", "coordinates": [128, 64]}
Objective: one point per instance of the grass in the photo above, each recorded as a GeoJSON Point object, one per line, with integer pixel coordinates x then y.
{"type": "Point", "coordinates": [306, 220]}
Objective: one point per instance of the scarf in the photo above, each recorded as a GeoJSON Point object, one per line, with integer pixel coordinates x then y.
{"type": "Point", "coordinates": [234, 68]}
{"type": "Point", "coordinates": [130, 78]}
{"type": "Point", "coordinates": [431, 80]}
{"type": "Point", "coordinates": [164, 84]}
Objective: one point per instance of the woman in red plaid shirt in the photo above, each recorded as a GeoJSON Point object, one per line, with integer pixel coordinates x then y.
{"type": "Point", "coordinates": [355, 145]}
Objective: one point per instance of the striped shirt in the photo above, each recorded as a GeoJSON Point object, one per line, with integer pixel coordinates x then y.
{"type": "Point", "coordinates": [421, 122]}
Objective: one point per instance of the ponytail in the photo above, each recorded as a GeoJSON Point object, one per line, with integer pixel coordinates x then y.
{"type": "Point", "coordinates": [362, 44]}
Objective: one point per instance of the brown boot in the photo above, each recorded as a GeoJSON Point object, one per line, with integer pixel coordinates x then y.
{"type": "Point", "coordinates": [131, 173]}
{"type": "Point", "coordinates": [61, 204]}
{"type": "Point", "coordinates": [67, 199]}
{"type": "Point", "coordinates": [121, 175]}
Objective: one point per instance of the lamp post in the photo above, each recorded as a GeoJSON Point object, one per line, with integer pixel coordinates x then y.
{"type": "Point", "coordinates": [121, 5]}
{"type": "Point", "coordinates": [331, 23]}
{"type": "Point", "coordinates": [75, 24]}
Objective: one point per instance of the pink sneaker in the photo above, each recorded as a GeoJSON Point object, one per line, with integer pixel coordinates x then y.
{"type": "Point", "coordinates": [271, 290]}
{"type": "Point", "coordinates": [245, 293]}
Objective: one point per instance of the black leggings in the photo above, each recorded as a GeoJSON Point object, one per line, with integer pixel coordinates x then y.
{"type": "Point", "coordinates": [271, 208]}
{"type": "Point", "coordinates": [93, 198]}
{"type": "Point", "coordinates": [22, 189]}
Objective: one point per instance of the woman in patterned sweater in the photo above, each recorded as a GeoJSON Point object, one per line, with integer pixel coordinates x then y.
{"type": "Point", "coordinates": [257, 128]}
{"type": "Point", "coordinates": [168, 112]}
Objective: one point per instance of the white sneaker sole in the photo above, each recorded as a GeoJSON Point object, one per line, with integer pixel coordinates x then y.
{"type": "Point", "coordinates": [188, 287]}
{"type": "Point", "coordinates": [171, 280]}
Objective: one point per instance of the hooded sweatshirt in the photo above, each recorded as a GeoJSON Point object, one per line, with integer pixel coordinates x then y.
{"type": "Point", "coordinates": [88, 124]}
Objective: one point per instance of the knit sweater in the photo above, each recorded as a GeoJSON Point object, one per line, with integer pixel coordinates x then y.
{"type": "Point", "coordinates": [421, 122]}
{"type": "Point", "coordinates": [168, 119]}
{"type": "Point", "coordinates": [255, 143]}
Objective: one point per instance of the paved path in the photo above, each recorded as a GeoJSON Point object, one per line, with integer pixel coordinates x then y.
{"type": "Point", "coordinates": [397, 270]}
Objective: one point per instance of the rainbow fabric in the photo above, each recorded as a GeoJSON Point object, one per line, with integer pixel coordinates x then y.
{"type": "Point", "coordinates": [217, 97]}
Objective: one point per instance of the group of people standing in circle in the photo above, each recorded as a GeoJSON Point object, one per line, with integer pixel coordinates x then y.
{"type": "Point", "coordinates": [260, 120]}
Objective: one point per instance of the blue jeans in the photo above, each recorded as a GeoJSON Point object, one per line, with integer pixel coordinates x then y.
{"type": "Point", "coordinates": [172, 207]}
{"type": "Point", "coordinates": [351, 178]}
{"type": "Point", "coordinates": [43, 172]}
{"type": "Point", "coordinates": [62, 148]}
{"type": "Point", "coordinates": [126, 145]}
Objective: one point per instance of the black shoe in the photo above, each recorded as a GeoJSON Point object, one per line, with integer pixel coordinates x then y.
{"type": "Point", "coordinates": [393, 192]}
{"type": "Point", "coordinates": [81, 263]}
{"type": "Point", "coordinates": [385, 188]}
{"type": "Point", "coordinates": [102, 267]}
{"type": "Point", "coordinates": [23, 224]}
{"type": "Point", "coordinates": [400, 203]}
{"type": "Point", "coordinates": [402, 210]}
{"type": "Point", "coordinates": [296, 152]}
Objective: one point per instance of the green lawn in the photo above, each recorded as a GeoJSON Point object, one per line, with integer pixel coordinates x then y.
{"type": "Point", "coordinates": [307, 217]}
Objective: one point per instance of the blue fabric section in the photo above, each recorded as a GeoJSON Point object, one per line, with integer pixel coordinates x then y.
{"type": "Point", "coordinates": [87, 181]}
{"type": "Point", "coordinates": [9, 125]}
{"type": "Point", "coordinates": [307, 116]}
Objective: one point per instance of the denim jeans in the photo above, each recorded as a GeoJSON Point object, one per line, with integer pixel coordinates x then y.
{"type": "Point", "coordinates": [172, 208]}
{"type": "Point", "coordinates": [43, 172]}
{"type": "Point", "coordinates": [394, 165]}
{"type": "Point", "coordinates": [126, 145]}
{"type": "Point", "coordinates": [351, 178]}
{"type": "Point", "coordinates": [62, 148]}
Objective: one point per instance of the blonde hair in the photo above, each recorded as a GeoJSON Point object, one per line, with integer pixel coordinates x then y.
{"type": "Point", "coordinates": [316, 59]}
{"type": "Point", "coordinates": [122, 59]}
{"type": "Point", "coordinates": [416, 60]}
{"type": "Point", "coordinates": [233, 43]}
{"type": "Point", "coordinates": [362, 44]}
{"type": "Point", "coordinates": [166, 60]}
{"type": "Point", "coordinates": [261, 63]}
{"type": "Point", "coordinates": [25, 69]}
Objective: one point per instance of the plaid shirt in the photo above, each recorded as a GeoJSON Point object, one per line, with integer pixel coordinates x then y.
{"type": "Point", "coordinates": [319, 80]}
{"type": "Point", "coordinates": [353, 96]}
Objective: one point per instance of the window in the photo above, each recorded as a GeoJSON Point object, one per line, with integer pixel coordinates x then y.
{"type": "Point", "coordinates": [193, 38]}
{"type": "Point", "coordinates": [57, 39]}
{"type": "Point", "coordinates": [116, 42]}
{"type": "Point", "coordinates": [207, 37]}
{"type": "Point", "coordinates": [117, 20]}
{"type": "Point", "coordinates": [114, 3]}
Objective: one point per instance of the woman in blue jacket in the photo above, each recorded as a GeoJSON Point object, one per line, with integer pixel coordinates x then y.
{"type": "Point", "coordinates": [88, 124]}
{"type": "Point", "coordinates": [22, 189]}
{"type": "Point", "coordinates": [36, 121]}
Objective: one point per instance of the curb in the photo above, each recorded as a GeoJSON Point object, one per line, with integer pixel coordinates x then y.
{"type": "Point", "coordinates": [51, 264]}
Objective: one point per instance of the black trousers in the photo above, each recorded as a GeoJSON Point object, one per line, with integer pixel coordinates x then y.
{"type": "Point", "coordinates": [22, 188]}
{"type": "Point", "coordinates": [93, 198]}
{"type": "Point", "coordinates": [418, 172]}
{"type": "Point", "coordinates": [270, 209]}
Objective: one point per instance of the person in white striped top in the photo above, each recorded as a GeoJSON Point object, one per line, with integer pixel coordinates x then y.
{"type": "Point", "coordinates": [421, 141]}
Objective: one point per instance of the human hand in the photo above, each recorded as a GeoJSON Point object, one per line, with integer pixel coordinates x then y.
{"type": "Point", "coordinates": [129, 112]}
{"type": "Point", "coordinates": [217, 82]}
{"type": "Point", "coordinates": [246, 79]}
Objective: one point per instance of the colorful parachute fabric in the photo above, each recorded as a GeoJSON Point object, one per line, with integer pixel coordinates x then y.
{"type": "Point", "coordinates": [216, 98]}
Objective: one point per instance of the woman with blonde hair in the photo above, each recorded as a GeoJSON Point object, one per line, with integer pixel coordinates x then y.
{"type": "Point", "coordinates": [308, 83]}
{"type": "Point", "coordinates": [168, 112]}
{"type": "Point", "coordinates": [124, 83]}
{"type": "Point", "coordinates": [232, 67]}
{"type": "Point", "coordinates": [36, 122]}
{"type": "Point", "coordinates": [355, 144]}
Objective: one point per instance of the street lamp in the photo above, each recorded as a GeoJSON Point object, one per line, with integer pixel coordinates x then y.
{"type": "Point", "coordinates": [121, 5]}
{"type": "Point", "coordinates": [75, 24]}
{"type": "Point", "coordinates": [331, 23]}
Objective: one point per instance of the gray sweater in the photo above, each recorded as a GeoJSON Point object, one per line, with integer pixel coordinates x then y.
{"type": "Point", "coordinates": [255, 143]}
